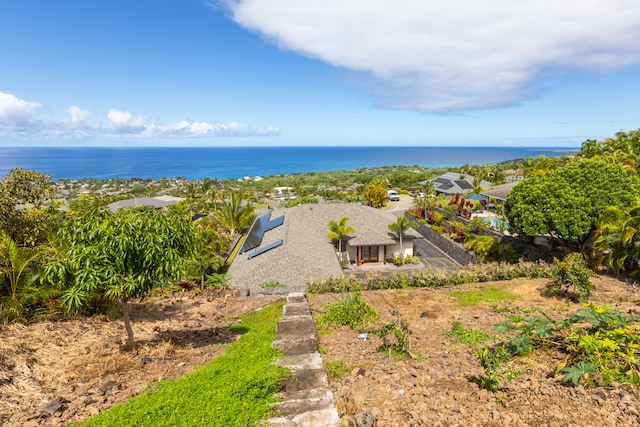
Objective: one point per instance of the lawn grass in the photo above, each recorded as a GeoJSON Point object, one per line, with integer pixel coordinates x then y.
{"type": "Point", "coordinates": [487, 293]}
{"type": "Point", "coordinates": [235, 389]}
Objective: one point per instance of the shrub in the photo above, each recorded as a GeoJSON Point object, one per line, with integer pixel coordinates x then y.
{"type": "Point", "coordinates": [337, 284]}
{"type": "Point", "coordinates": [399, 260]}
{"type": "Point", "coordinates": [433, 277]}
{"type": "Point", "coordinates": [597, 343]}
{"type": "Point", "coordinates": [396, 337]}
{"type": "Point", "coordinates": [485, 247]}
{"type": "Point", "coordinates": [571, 278]}
{"type": "Point", "coordinates": [477, 225]}
{"type": "Point", "coordinates": [438, 229]}
{"type": "Point", "coordinates": [352, 311]}
{"type": "Point", "coordinates": [436, 217]}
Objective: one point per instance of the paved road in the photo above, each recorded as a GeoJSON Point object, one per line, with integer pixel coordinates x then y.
{"type": "Point", "coordinates": [399, 208]}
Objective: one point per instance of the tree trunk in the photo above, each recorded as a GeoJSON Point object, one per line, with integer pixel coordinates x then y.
{"type": "Point", "coordinates": [124, 306]}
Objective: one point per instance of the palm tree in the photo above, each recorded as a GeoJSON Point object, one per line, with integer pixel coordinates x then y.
{"type": "Point", "coordinates": [14, 266]}
{"type": "Point", "coordinates": [234, 214]}
{"type": "Point", "coordinates": [618, 239]}
{"type": "Point", "coordinates": [339, 230]}
{"type": "Point", "coordinates": [201, 265]}
{"type": "Point", "coordinates": [399, 227]}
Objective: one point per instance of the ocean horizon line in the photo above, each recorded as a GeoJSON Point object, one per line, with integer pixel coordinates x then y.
{"type": "Point", "coordinates": [239, 162]}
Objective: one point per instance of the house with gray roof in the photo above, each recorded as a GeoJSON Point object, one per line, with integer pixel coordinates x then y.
{"type": "Point", "coordinates": [291, 245]}
{"type": "Point", "coordinates": [500, 192]}
{"type": "Point", "coordinates": [455, 183]}
{"type": "Point", "coordinates": [157, 202]}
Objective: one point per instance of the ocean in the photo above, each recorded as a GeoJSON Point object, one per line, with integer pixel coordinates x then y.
{"type": "Point", "coordinates": [238, 162]}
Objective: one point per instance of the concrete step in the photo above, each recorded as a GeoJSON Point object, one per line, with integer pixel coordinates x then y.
{"type": "Point", "coordinates": [307, 400]}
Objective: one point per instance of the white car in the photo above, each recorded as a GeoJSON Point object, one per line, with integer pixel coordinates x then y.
{"type": "Point", "coordinates": [393, 196]}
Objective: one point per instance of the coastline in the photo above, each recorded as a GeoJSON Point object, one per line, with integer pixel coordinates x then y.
{"type": "Point", "coordinates": [239, 162]}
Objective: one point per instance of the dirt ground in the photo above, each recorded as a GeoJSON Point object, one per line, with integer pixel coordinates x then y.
{"type": "Point", "coordinates": [433, 389]}
{"type": "Point", "coordinates": [55, 373]}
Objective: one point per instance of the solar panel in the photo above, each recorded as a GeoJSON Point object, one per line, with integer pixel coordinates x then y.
{"type": "Point", "coordinates": [274, 223]}
{"type": "Point", "coordinates": [441, 180]}
{"type": "Point", "coordinates": [265, 249]}
{"type": "Point", "coordinates": [260, 226]}
{"type": "Point", "coordinates": [254, 238]}
{"type": "Point", "coordinates": [446, 185]}
{"type": "Point", "coordinates": [464, 185]}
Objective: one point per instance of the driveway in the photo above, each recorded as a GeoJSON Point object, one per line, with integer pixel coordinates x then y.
{"type": "Point", "coordinates": [398, 208]}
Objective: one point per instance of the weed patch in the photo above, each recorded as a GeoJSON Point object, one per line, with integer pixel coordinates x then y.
{"type": "Point", "coordinates": [488, 293]}
{"type": "Point", "coordinates": [396, 337]}
{"type": "Point", "coordinates": [336, 370]}
{"type": "Point", "coordinates": [352, 311]}
{"type": "Point", "coordinates": [473, 337]}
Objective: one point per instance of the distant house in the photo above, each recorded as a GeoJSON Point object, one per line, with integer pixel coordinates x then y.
{"type": "Point", "coordinates": [283, 193]}
{"type": "Point", "coordinates": [500, 192]}
{"type": "Point", "coordinates": [157, 202]}
{"type": "Point", "coordinates": [291, 246]}
{"type": "Point", "coordinates": [455, 183]}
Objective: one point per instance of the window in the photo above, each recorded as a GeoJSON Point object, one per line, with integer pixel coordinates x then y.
{"type": "Point", "coordinates": [369, 253]}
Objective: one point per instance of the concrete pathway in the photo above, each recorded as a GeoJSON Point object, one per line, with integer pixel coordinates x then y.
{"type": "Point", "coordinates": [308, 402]}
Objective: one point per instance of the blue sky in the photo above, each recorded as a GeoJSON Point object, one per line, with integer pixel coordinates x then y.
{"type": "Point", "coordinates": [277, 72]}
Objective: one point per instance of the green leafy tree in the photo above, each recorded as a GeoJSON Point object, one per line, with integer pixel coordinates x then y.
{"type": "Point", "coordinates": [623, 148]}
{"type": "Point", "coordinates": [375, 193]}
{"type": "Point", "coordinates": [567, 202]}
{"type": "Point", "coordinates": [339, 231]}
{"type": "Point", "coordinates": [26, 226]}
{"type": "Point", "coordinates": [119, 256]}
{"type": "Point", "coordinates": [400, 227]}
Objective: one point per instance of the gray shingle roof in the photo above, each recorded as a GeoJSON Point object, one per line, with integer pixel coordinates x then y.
{"type": "Point", "coordinates": [500, 192]}
{"type": "Point", "coordinates": [156, 202]}
{"type": "Point", "coordinates": [455, 182]}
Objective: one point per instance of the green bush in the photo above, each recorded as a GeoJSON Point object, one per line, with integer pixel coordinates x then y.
{"type": "Point", "coordinates": [485, 247]}
{"type": "Point", "coordinates": [571, 278]}
{"type": "Point", "coordinates": [598, 345]}
{"type": "Point", "coordinates": [352, 311]}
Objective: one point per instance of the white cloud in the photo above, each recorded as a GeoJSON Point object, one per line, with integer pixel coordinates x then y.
{"type": "Point", "coordinates": [188, 128]}
{"type": "Point", "coordinates": [77, 114]}
{"type": "Point", "coordinates": [18, 119]}
{"type": "Point", "coordinates": [124, 120]}
{"type": "Point", "coordinates": [15, 111]}
{"type": "Point", "coordinates": [452, 55]}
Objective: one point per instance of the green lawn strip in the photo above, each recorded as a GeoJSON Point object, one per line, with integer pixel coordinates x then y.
{"type": "Point", "coordinates": [235, 389]}
{"type": "Point", "coordinates": [487, 293]}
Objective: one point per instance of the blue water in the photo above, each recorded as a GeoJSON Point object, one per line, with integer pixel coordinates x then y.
{"type": "Point", "coordinates": [237, 162]}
